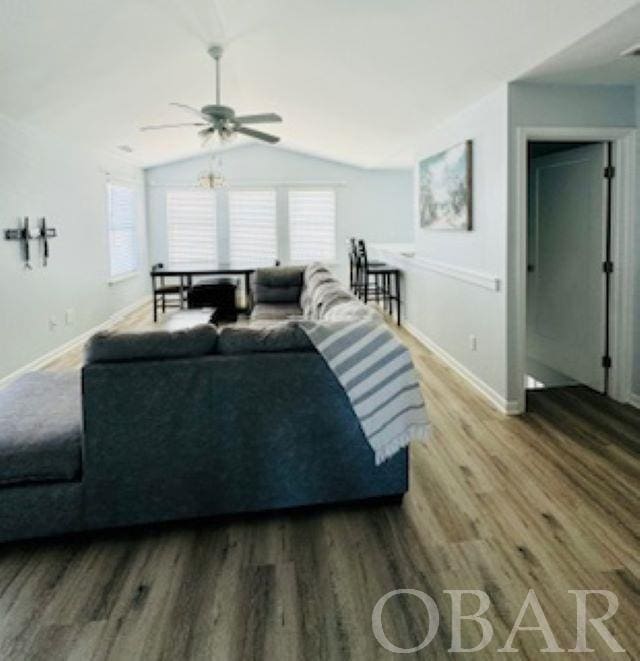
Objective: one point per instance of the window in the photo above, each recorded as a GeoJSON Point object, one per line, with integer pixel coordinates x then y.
{"type": "Point", "coordinates": [191, 227]}
{"type": "Point", "coordinates": [123, 250]}
{"type": "Point", "coordinates": [252, 226]}
{"type": "Point", "coordinates": [312, 225]}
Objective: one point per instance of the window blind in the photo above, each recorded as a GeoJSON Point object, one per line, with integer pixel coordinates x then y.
{"type": "Point", "coordinates": [252, 227]}
{"type": "Point", "coordinates": [123, 251]}
{"type": "Point", "coordinates": [312, 225]}
{"type": "Point", "coordinates": [191, 227]}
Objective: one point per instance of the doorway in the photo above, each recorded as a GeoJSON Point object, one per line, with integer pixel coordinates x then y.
{"type": "Point", "coordinates": [621, 295]}
{"type": "Point", "coordinates": [569, 265]}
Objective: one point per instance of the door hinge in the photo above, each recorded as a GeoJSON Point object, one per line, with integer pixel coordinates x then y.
{"type": "Point", "coordinates": [606, 361]}
{"type": "Point", "coordinates": [609, 172]}
{"type": "Point", "coordinates": [607, 266]}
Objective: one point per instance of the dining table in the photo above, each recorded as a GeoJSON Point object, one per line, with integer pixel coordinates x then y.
{"type": "Point", "coordinates": [187, 273]}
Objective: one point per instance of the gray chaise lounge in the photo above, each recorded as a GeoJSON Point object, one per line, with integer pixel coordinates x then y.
{"type": "Point", "coordinates": [188, 424]}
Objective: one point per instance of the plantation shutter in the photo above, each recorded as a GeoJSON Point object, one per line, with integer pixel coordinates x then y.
{"type": "Point", "coordinates": [191, 227]}
{"type": "Point", "coordinates": [312, 225]}
{"type": "Point", "coordinates": [252, 227]}
{"type": "Point", "coordinates": [123, 253]}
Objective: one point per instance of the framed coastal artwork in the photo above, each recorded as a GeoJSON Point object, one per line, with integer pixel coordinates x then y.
{"type": "Point", "coordinates": [445, 189]}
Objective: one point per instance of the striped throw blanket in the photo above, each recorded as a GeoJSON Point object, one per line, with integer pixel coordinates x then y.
{"type": "Point", "coordinates": [376, 372]}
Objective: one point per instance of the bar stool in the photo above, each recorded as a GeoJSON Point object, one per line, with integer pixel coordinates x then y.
{"type": "Point", "coordinates": [353, 265]}
{"type": "Point", "coordinates": [354, 268]}
{"type": "Point", "coordinates": [385, 285]}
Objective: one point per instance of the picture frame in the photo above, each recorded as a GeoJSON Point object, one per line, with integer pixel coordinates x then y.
{"type": "Point", "coordinates": [445, 189]}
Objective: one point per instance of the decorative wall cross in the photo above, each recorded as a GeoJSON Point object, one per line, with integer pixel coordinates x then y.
{"type": "Point", "coordinates": [24, 235]}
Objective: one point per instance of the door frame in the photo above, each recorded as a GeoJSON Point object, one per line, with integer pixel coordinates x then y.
{"type": "Point", "coordinates": [622, 241]}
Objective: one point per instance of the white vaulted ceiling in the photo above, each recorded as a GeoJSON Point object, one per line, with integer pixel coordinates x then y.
{"type": "Point", "coordinates": [596, 58]}
{"type": "Point", "coordinates": [354, 80]}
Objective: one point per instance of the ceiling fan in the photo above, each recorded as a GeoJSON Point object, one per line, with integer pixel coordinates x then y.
{"type": "Point", "coordinates": [216, 118]}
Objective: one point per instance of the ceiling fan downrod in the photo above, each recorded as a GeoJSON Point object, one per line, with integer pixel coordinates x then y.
{"type": "Point", "coordinates": [215, 52]}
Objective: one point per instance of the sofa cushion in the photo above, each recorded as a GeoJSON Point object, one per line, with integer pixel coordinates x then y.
{"type": "Point", "coordinates": [268, 294]}
{"type": "Point", "coordinates": [351, 311]}
{"type": "Point", "coordinates": [279, 276]}
{"type": "Point", "coordinates": [277, 337]}
{"type": "Point", "coordinates": [278, 284]}
{"type": "Point", "coordinates": [41, 428]}
{"type": "Point", "coordinates": [330, 295]}
{"type": "Point", "coordinates": [276, 311]}
{"type": "Point", "coordinates": [315, 276]}
{"type": "Point", "coordinates": [109, 346]}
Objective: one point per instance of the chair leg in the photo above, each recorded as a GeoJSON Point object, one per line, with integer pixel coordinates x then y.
{"type": "Point", "coordinates": [387, 293]}
{"type": "Point", "coordinates": [155, 308]}
{"type": "Point", "coordinates": [164, 304]}
{"type": "Point", "coordinates": [366, 287]}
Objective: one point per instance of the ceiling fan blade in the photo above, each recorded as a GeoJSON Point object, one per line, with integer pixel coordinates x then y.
{"type": "Point", "coordinates": [259, 135]}
{"type": "Point", "coordinates": [170, 126]}
{"type": "Point", "coordinates": [184, 106]}
{"type": "Point", "coordinates": [265, 118]}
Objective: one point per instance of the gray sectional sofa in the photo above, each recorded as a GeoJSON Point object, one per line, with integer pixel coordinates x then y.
{"type": "Point", "coordinates": [162, 426]}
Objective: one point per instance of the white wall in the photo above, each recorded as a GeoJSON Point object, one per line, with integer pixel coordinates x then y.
{"type": "Point", "coordinates": [448, 310]}
{"type": "Point", "coordinates": [539, 105]}
{"type": "Point", "coordinates": [42, 176]}
{"type": "Point", "coordinates": [373, 204]}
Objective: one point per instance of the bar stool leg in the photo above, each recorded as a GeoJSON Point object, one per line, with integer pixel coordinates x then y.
{"type": "Point", "coordinates": [396, 277]}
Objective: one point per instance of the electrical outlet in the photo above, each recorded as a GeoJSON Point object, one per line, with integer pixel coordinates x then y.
{"type": "Point", "coordinates": [473, 343]}
{"type": "Point", "coordinates": [69, 317]}
{"type": "Point", "coordinates": [53, 322]}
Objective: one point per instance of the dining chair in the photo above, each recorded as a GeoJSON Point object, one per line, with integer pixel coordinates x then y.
{"type": "Point", "coordinates": [166, 295]}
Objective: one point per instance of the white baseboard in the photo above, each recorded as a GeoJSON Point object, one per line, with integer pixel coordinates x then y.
{"type": "Point", "coordinates": [495, 398]}
{"type": "Point", "coordinates": [50, 356]}
{"type": "Point", "coordinates": [634, 400]}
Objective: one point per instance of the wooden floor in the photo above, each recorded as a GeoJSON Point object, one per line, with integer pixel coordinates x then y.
{"type": "Point", "coordinates": [548, 501]}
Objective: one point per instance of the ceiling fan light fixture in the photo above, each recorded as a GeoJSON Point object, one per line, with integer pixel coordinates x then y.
{"type": "Point", "coordinates": [226, 134]}
{"type": "Point", "coordinates": [212, 178]}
